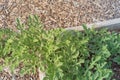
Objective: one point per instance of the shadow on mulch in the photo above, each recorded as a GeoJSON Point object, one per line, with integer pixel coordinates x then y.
{"type": "Point", "coordinates": [116, 69]}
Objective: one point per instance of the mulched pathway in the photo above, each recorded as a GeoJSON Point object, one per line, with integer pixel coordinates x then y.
{"type": "Point", "coordinates": [58, 13]}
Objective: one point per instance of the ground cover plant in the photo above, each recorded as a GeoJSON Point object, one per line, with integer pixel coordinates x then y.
{"type": "Point", "coordinates": [61, 54]}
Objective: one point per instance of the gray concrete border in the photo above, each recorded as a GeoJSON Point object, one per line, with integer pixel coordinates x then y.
{"type": "Point", "coordinates": [113, 24]}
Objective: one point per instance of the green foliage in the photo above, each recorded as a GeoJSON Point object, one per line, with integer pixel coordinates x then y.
{"type": "Point", "coordinates": [61, 54]}
{"type": "Point", "coordinates": [114, 46]}
{"type": "Point", "coordinates": [117, 59]}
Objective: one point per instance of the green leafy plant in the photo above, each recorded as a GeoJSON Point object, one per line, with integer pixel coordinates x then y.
{"type": "Point", "coordinates": [114, 46]}
{"type": "Point", "coordinates": [117, 59]}
{"type": "Point", "coordinates": [61, 54]}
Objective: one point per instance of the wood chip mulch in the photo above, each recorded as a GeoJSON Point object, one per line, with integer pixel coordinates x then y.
{"type": "Point", "coordinates": [58, 13]}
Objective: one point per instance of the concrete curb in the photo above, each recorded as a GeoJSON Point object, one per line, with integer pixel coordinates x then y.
{"type": "Point", "coordinates": [113, 24]}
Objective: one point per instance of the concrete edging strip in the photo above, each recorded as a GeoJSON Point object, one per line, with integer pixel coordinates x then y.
{"type": "Point", "coordinates": [113, 24]}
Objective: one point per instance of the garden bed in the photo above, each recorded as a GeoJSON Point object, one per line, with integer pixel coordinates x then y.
{"type": "Point", "coordinates": [6, 75]}
{"type": "Point", "coordinates": [60, 54]}
{"type": "Point", "coordinates": [54, 14]}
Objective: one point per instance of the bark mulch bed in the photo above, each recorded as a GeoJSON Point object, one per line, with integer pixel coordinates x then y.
{"type": "Point", "coordinates": [58, 13]}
